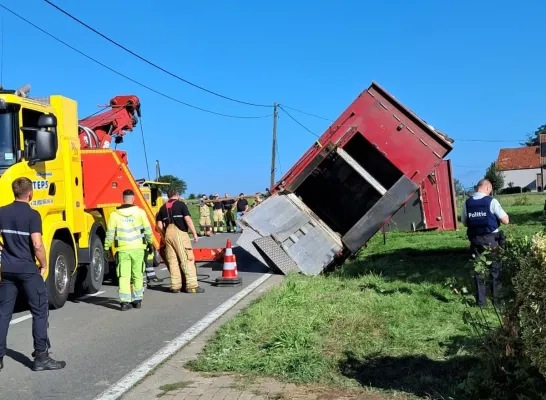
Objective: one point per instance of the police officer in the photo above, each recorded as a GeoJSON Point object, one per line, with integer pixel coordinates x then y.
{"type": "Point", "coordinates": [21, 229]}
{"type": "Point", "coordinates": [130, 232]}
{"type": "Point", "coordinates": [175, 221]}
{"type": "Point", "coordinates": [482, 215]}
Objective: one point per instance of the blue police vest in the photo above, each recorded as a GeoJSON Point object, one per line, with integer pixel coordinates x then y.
{"type": "Point", "coordinates": [480, 219]}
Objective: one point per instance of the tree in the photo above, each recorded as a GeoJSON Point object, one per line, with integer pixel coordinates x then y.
{"type": "Point", "coordinates": [459, 188]}
{"type": "Point", "coordinates": [495, 176]}
{"type": "Point", "coordinates": [192, 196]}
{"type": "Point", "coordinates": [174, 183]}
{"type": "Point", "coordinates": [533, 138]}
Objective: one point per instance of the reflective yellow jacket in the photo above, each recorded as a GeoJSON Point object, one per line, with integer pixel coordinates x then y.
{"type": "Point", "coordinates": [128, 229]}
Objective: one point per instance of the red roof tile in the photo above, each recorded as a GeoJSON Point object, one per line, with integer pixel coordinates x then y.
{"type": "Point", "coordinates": [519, 158]}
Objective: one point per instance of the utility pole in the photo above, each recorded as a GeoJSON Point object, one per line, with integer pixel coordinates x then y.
{"type": "Point", "coordinates": [274, 145]}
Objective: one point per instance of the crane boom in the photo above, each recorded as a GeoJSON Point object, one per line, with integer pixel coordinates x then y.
{"type": "Point", "coordinates": [98, 131]}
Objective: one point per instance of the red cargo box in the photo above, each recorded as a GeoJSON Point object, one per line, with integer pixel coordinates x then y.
{"type": "Point", "coordinates": [366, 166]}
{"type": "Point", "coordinates": [432, 207]}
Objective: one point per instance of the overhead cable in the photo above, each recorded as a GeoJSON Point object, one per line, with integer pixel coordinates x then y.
{"type": "Point", "coordinates": [125, 76]}
{"type": "Point", "coordinates": [79, 21]}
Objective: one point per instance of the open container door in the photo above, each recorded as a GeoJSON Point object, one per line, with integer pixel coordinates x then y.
{"type": "Point", "coordinates": [359, 173]}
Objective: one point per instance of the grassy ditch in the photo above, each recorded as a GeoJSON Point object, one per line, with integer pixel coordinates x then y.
{"type": "Point", "coordinates": [387, 321]}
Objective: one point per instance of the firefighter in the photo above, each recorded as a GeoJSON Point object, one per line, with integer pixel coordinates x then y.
{"type": "Point", "coordinates": [21, 230]}
{"type": "Point", "coordinates": [218, 215]}
{"type": "Point", "coordinates": [228, 209]}
{"type": "Point", "coordinates": [131, 234]}
{"type": "Point", "coordinates": [175, 221]}
{"type": "Point", "coordinates": [482, 215]}
{"type": "Point", "coordinates": [204, 216]}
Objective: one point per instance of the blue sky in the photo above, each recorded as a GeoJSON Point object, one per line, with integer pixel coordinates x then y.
{"type": "Point", "coordinates": [471, 69]}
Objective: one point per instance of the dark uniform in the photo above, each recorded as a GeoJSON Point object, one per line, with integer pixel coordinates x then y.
{"type": "Point", "coordinates": [482, 214]}
{"type": "Point", "coordinates": [230, 218]}
{"type": "Point", "coordinates": [19, 272]}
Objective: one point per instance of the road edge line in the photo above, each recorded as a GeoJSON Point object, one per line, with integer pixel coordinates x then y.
{"type": "Point", "coordinates": [126, 383]}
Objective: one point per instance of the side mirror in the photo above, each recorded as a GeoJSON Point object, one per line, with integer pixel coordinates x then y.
{"type": "Point", "coordinates": [46, 145]}
{"type": "Point", "coordinates": [41, 143]}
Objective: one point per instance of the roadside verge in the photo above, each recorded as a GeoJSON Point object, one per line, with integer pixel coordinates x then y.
{"type": "Point", "coordinates": [215, 318]}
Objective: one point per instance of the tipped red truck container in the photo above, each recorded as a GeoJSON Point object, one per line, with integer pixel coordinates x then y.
{"type": "Point", "coordinates": [349, 184]}
{"type": "Point", "coordinates": [432, 207]}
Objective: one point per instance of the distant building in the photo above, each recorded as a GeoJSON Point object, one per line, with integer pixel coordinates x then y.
{"type": "Point", "coordinates": [521, 167]}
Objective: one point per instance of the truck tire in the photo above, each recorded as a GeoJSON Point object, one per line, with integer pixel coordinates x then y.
{"type": "Point", "coordinates": [61, 266]}
{"type": "Point", "coordinates": [94, 271]}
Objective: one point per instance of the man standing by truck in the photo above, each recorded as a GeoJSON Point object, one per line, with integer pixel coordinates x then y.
{"type": "Point", "coordinates": [482, 215]}
{"type": "Point", "coordinates": [242, 207]}
{"type": "Point", "coordinates": [174, 221]}
{"type": "Point", "coordinates": [228, 208]}
{"type": "Point", "coordinates": [21, 230]}
{"type": "Point", "coordinates": [130, 232]}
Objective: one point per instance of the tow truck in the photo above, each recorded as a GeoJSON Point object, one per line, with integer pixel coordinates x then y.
{"type": "Point", "coordinates": [78, 181]}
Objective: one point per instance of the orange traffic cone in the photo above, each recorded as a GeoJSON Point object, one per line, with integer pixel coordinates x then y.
{"type": "Point", "coordinates": [229, 277]}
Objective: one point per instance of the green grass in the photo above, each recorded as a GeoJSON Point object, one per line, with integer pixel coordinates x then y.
{"type": "Point", "coordinates": [386, 320]}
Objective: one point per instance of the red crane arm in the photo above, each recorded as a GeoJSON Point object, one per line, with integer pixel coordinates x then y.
{"type": "Point", "coordinates": [99, 130]}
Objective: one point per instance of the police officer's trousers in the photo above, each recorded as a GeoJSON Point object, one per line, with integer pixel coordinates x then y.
{"type": "Point", "coordinates": [180, 256]}
{"type": "Point", "coordinates": [130, 270]}
{"type": "Point", "coordinates": [33, 285]}
{"type": "Point", "coordinates": [478, 245]}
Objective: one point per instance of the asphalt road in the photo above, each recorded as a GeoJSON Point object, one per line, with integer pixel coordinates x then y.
{"type": "Point", "coordinates": [101, 344]}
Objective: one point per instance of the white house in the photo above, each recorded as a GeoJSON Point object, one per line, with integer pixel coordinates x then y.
{"type": "Point", "coordinates": [521, 167]}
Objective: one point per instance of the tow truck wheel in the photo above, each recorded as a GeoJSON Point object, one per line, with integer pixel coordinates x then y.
{"type": "Point", "coordinates": [94, 271]}
{"type": "Point", "coordinates": [61, 265]}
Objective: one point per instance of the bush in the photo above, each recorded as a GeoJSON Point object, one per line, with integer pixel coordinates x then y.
{"type": "Point", "coordinates": [530, 288]}
{"type": "Point", "coordinates": [526, 190]}
{"type": "Point", "coordinates": [511, 190]}
{"type": "Point", "coordinates": [513, 349]}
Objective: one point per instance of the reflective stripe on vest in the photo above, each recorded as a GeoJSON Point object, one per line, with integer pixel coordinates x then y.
{"type": "Point", "coordinates": [128, 233]}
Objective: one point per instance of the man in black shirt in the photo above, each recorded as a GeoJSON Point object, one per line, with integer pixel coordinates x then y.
{"type": "Point", "coordinates": [174, 222]}
{"type": "Point", "coordinates": [228, 208]}
{"type": "Point", "coordinates": [242, 207]}
{"type": "Point", "coordinates": [21, 230]}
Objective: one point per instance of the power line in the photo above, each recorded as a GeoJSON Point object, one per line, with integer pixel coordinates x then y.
{"type": "Point", "coordinates": [307, 113]}
{"type": "Point", "coordinates": [468, 166]}
{"type": "Point", "coordinates": [125, 76]}
{"type": "Point", "coordinates": [148, 61]}
{"type": "Point", "coordinates": [298, 122]}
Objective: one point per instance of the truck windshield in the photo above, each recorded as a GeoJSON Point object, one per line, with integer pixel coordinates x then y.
{"type": "Point", "coordinates": [7, 142]}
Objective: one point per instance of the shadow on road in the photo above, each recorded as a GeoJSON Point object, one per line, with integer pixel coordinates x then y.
{"type": "Point", "coordinates": [106, 302]}
{"type": "Point", "coordinates": [19, 357]}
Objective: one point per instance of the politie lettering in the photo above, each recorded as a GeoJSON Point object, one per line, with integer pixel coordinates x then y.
{"type": "Point", "coordinates": [477, 214]}
{"type": "Point", "coordinates": [38, 185]}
